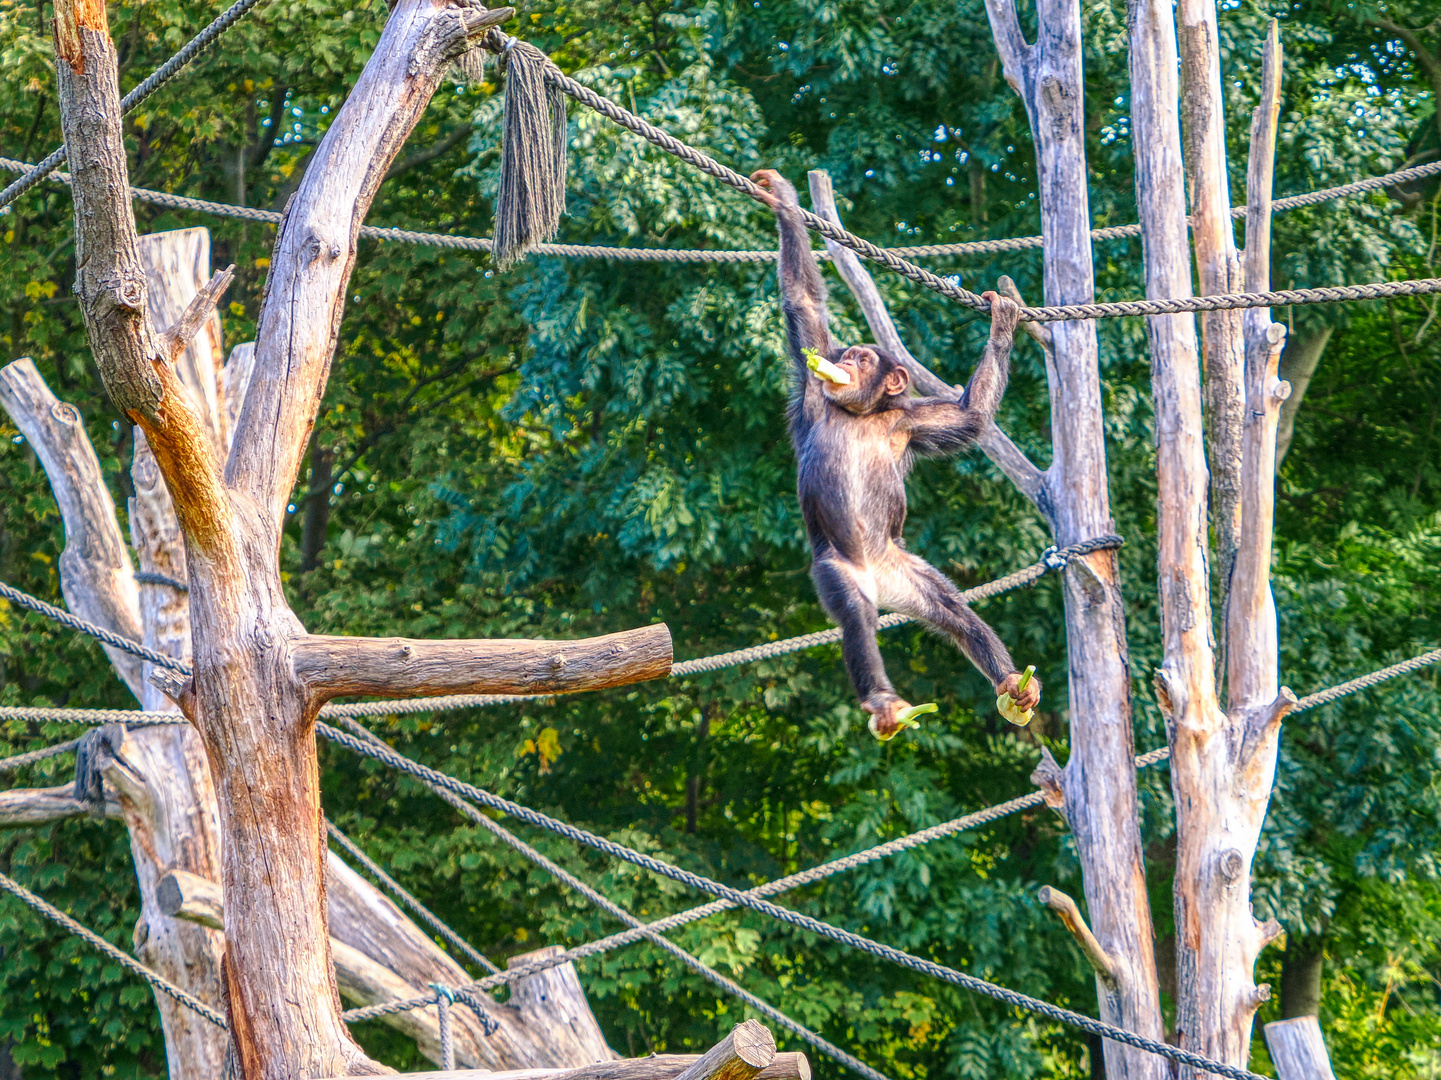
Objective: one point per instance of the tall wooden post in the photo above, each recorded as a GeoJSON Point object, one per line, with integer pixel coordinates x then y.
{"type": "Point", "coordinates": [260, 679]}
{"type": "Point", "coordinates": [1097, 789]}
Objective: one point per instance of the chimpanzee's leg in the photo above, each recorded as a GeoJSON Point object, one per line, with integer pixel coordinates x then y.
{"type": "Point", "coordinates": [849, 596]}
{"type": "Point", "coordinates": [908, 584]}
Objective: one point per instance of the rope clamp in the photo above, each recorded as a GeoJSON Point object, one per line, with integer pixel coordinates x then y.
{"type": "Point", "coordinates": [442, 991]}
{"type": "Point", "coordinates": [1053, 558]}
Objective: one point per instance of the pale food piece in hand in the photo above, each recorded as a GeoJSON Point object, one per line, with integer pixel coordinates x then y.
{"type": "Point", "coordinates": [904, 718]}
{"type": "Point", "coordinates": [1007, 707]}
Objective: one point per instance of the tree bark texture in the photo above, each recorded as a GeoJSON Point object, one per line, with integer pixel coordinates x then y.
{"type": "Point", "coordinates": [1098, 786]}
{"type": "Point", "coordinates": [1203, 129]}
{"type": "Point", "coordinates": [1221, 765]}
{"type": "Point", "coordinates": [253, 704]}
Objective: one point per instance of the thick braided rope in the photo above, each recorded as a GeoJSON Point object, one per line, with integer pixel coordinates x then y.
{"type": "Point", "coordinates": [74, 622]}
{"type": "Point", "coordinates": [130, 717]}
{"type": "Point", "coordinates": [613, 909]}
{"type": "Point", "coordinates": [677, 255]}
{"type": "Point", "coordinates": [1365, 682]}
{"type": "Point", "coordinates": [55, 915]}
{"type": "Point", "coordinates": [136, 718]}
{"type": "Point", "coordinates": [779, 885]}
{"type": "Point", "coordinates": [401, 893]}
{"type": "Point", "coordinates": [718, 255]}
{"type": "Point", "coordinates": [1053, 559]}
{"type": "Point", "coordinates": [19, 761]}
{"type": "Point", "coordinates": [157, 78]}
{"type": "Point", "coordinates": [793, 918]}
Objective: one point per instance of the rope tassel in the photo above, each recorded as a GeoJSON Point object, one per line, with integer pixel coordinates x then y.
{"type": "Point", "coordinates": [532, 157]}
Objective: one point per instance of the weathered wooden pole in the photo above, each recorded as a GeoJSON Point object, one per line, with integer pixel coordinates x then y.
{"type": "Point", "coordinates": [1096, 791]}
{"type": "Point", "coordinates": [250, 699]}
{"type": "Point", "coordinates": [1222, 761]}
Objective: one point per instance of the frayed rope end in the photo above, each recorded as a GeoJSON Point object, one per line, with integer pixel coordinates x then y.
{"type": "Point", "coordinates": [531, 198]}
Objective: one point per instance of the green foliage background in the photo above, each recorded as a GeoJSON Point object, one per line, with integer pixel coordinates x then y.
{"type": "Point", "coordinates": [577, 446]}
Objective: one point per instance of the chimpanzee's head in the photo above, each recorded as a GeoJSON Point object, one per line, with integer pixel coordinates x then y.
{"type": "Point", "coordinates": [877, 378]}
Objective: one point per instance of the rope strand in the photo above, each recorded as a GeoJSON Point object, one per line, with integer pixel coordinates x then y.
{"type": "Point", "coordinates": [125, 960]}
{"type": "Point", "coordinates": [158, 78]}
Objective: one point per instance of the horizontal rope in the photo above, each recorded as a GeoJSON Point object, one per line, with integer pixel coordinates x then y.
{"type": "Point", "coordinates": [125, 960]}
{"type": "Point", "coordinates": [1053, 559]}
{"type": "Point", "coordinates": [678, 255]}
{"type": "Point", "coordinates": [802, 922]}
{"type": "Point", "coordinates": [153, 82]}
{"type": "Point", "coordinates": [19, 761]}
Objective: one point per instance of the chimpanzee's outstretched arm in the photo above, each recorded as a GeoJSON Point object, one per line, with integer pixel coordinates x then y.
{"type": "Point", "coordinates": [938, 426]}
{"type": "Point", "coordinates": [803, 290]}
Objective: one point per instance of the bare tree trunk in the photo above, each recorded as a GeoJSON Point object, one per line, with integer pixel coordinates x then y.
{"type": "Point", "coordinates": [1203, 127]}
{"type": "Point", "coordinates": [1221, 766]}
{"type": "Point", "coordinates": [1098, 785]}
{"type": "Point", "coordinates": [252, 698]}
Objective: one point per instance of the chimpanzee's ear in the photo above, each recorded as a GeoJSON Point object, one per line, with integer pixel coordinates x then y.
{"type": "Point", "coordinates": [898, 380]}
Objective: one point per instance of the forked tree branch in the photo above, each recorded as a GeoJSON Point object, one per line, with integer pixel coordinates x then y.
{"type": "Point", "coordinates": [1017, 56]}
{"type": "Point", "coordinates": [400, 667]}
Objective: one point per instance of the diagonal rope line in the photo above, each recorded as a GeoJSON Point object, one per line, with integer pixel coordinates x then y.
{"type": "Point", "coordinates": [157, 78]}
{"type": "Point", "coordinates": [801, 922]}
{"type": "Point", "coordinates": [402, 894]}
{"type": "Point", "coordinates": [613, 909]}
{"type": "Point", "coordinates": [84, 626]}
{"type": "Point", "coordinates": [125, 960]}
{"type": "Point", "coordinates": [19, 761]}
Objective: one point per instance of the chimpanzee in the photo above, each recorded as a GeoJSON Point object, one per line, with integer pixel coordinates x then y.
{"type": "Point", "coordinates": [856, 431]}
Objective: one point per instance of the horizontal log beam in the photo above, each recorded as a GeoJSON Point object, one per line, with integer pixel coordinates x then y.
{"type": "Point", "coordinates": [41, 806]}
{"type": "Point", "coordinates": [404, 667]}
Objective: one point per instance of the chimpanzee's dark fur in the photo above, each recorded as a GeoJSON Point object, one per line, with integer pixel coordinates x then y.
{"type": "Point", "coordinates": [854, 446]}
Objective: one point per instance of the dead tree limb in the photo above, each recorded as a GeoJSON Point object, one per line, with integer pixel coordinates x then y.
{"type": "Point", "coordinates": [97, 578]}
{"type": "Point", "coordinates": [1098, 784]}
{"type": "Point", "coordinates": [255, 713]}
